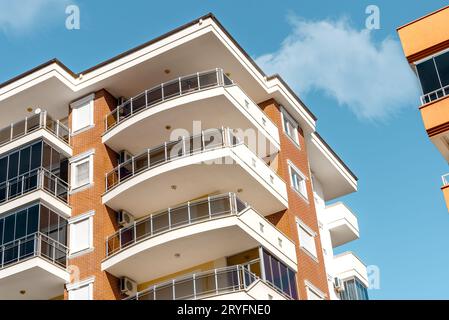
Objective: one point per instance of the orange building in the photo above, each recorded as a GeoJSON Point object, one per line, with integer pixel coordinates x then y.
{"type": "Point", "coordinates": [426, 46]}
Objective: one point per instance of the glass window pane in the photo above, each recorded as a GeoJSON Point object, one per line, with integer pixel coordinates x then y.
{"type": "Point", "coordinates": [267, 266]}
{"type": "Point", "coordinates": [9, 228]}
{"type": "Point", "coordinates": [428, 76]}
{"type": "Point", "coordinates": [62, 231]}
{"type": "Point", "coordinates": [36, 151]}
{"type": "Point", "coordinates": [442, 62]}
{"type": "Point", "coordinates": [1, 230]}
{"type": "Point", "coordinates": [33, 219]}
{"type": "Point", "coordinates": [13, 165]}
{"type": "Point", "coordinates": [44, 220]}
{"type": "Point", "coordinates": [21, 224]}
{"type": "Point", "coordinates": [53, 228]}
{"type": "Point", "coordinates": [46, 156]}
{"type": "Point", "coordinates": [25, 160]}
{"type": "Point", "coordinates": [3, 169]}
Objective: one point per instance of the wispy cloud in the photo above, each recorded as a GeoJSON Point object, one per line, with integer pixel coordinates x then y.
{"type": "Point", "coordinates": [18, 16]}
{"type": "Point", "coordinates": [373, 80]}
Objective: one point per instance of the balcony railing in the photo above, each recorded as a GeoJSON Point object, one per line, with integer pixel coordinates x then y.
{"type": "Point", "coordinates": [34, 245]}
{"type": "Point", "coordinates": [169, 151]}
{"type": "Point", "coordinates": [165, 91]}
{"type": "Point", "coordinates": [173, 218]}
{"type": "Point", "coordinates": [39, 178]}
{"type": "Point", "coordinates": [31, 124]}
{"type": "Point", "coordinates": [434, 95]}
{"type": "Point", "coordinates": [201, 285]}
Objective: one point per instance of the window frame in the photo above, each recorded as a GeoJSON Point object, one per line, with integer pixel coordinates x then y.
{"type": "Point", "coordinates": [75, 106]}
{"type": "Point", "coordinates": [89, 283]}
{"type": "Point", "coordinates": [302, 227]}
{"type": "Point", "coordinates": [88, 216]}
{"type": "Point", "coordinates": [77, 161]}
{"type": "Point", "coordinates": [310, 288]}
{"type": "Point", "coordinates": [426, 59]}
{"type": "Point", "coordinates": [286, 117]}
{"type": "Point", "coordinates": [303, 192]}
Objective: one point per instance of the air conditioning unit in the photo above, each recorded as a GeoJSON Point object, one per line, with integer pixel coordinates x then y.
{"type": "Point", "coordinates": [128, 286]}
{"type": "Point", "coordinates": [124, 218]}
{"type": "Point", "coordinates": [338, 284]}
{"type": "Point", "coordinates": [124, 156]}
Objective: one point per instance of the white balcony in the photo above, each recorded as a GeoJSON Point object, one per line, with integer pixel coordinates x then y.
{"type": "Point", "coordinates": [192, 234]}
{"type": "Point", "coordinates": [214, 162]}
{"type": "Point", "coordinates": [229, 283]}
{"type": "Point", "coordinates": [37, 185]}
{"type": "Point", "coordinates": [33, 268]}
{"type": "Point", "coordinates": [341, 223]}
{"type": "Point", "coordinates": [207, 97]}
{"type": "Point", "coordinates": [38, 126]}
{"type": "Point", "coordinates": [347, 265]}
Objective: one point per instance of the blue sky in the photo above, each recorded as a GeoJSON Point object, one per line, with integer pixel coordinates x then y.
{"type": "Point", "coordinates": [402, 215]}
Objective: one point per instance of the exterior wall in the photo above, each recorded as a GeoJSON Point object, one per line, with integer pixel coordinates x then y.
{"type": "Point", "coordinates": [426, 35]}
{"type": "Point", "coordinates": [308, 269]}
{"type": "Point", "coordinates": [104, 222]}
{"type": "Point", "coordinates": [435, 116]}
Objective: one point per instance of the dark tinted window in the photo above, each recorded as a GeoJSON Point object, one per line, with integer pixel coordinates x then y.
{"type": "Point", "coordinates": [33, 219]}
{"type": "Point", "coordinates": [428, 76]}
{"type": "Point", "coordinates": [442, 62]}
{"type": "Point", "coordinates": [1, 231]}
{"type": "Point", "coordinates": [9, 229]}
{"type": "Point", "coordinates": [13, 165]}
{"type": "Point", "coordinates": [36, 155]}
{"type": "Point", "coordinates": [25, 155]}
{"type": "Point", "coordinates": [21, 224]}
{"type": "Point", "coordinates": [3, 169]}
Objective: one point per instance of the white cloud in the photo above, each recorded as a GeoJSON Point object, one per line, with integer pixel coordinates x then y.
{"type": "Point", "coordinates": [374, 81]}
{"type": "Point", "coordinates": [19, 16]}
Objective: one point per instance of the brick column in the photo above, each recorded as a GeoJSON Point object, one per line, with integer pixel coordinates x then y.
{"type": "Point", "coordinates": [106, 286]}
{"type": "Point", "coordinates": [308, 268]}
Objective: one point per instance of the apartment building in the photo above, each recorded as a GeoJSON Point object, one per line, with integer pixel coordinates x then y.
{"type": "Point", "coordinates": [176, 170]}
{"type": "Point", "coordinates": [425, 42]}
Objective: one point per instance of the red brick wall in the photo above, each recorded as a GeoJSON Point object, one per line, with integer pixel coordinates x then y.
{"type": "Point", "coordinates": [104, 222]}
{"type": "Point", "coordinates": [308, 268]}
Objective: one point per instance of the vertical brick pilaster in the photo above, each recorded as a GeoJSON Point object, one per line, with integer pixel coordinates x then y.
{"type": "Point", "coordinates": [308, 268]}
{"type": "Point", "coordinates": [106, 286]}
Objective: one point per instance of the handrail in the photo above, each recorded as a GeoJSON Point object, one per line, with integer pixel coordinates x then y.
{"type": "Point", "coordinates": [39, 178]}
{"type": "Point", "coordinates": [173, 218]}
{"type": "Point", "coordinates": [202, 284]}
{"type": "Point", "coordinates": [31, 124]}
{"type": "Point", "coordinates": [165, 91]}
{"type": "Point", "coordinates": [434, 95]}
{"type": "Point", "coordinates": [33, 245]}
{"type": "Point", "coordinates": [186, 146]}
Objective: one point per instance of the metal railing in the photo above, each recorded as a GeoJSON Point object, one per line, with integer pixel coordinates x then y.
{"type": "Point", "coordinates": [39, 178]}
{"type": "Point", "coordinates": [165, 91]}
{"type": "Point", "coordinates": [31, 124]}
{"type": "Point", "coordinates": [445, 179]}
{"type": "Point", "coordinates": [434, 95]}
{"type": "Point", "coordinates": [34, 245]}
{"type": "Point", "coordinates": [203, 284]}
{"type": "Point", "coordinates": [173, 218]}
{"type": "Point", "coordinates": [187, 146]}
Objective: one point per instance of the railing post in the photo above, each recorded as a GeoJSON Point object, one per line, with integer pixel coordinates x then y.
{"type": "Point", "coordinates": [238, 277]}
{"type": "Point", "coordinates": [209, 208]}
{"type": "Point", "coordinates": [174, 290]}
{"type": "Point", "coordinates": [169, 218]}
{"type": "Point", "coordinates": [148, 157]}
{"type": "Point", "coordinates": [11, 131]}
{"type": "Point", "coordinates": [131, 105]}
{"type": "Point", "coordinates": [146, 98]}
{"type": "Point", "coordinates": [216, 281]}
{"type": "Point", "coordinates": [194, 286]}
{"type": "Point", "coordinates": [7, 190]}
{"type": "Point", "coordinates": [218, 77]}
{"type": "Point", "coordinates": [26, 125]}
{"type": "Point", "coordinates": [162, 92]}
{"type": "Point", "coordinates": [18, 251]}
{"type": "Point", "coordinates": [165, 150]}
{"type": "Point", "coordinates": [180, 87]}
{"type": "Point", "coordinates": [203, 143]}
{"type": "Point", "coordinates": [57, 128]}
{"type": "Point", "coordinates": [118, 114]}
{"type": "Point", "coordinates": [199, 83]}
{"type": "Point", "coordinates": [184, 146]}
{"type": "Point", "coordinates": [120, 239]}
{"type": "Point", "coordinates": [188, 212]}
{"type": "Point", "coordinates": [23, 185]}
{"type": "Point", "coordinates": [135, 232]}
{"type": "Point", "coordinates": [151, 225]}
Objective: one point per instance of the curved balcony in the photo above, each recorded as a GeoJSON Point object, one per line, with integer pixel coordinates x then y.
{"type": "Point", "coordinates": [175, 104]}
{"type": "Point", "coordinates": [36, 185]}
{"type": "Point", "coordinates": [224, 222]}
{"type": "Point", "coordinates": [34, 127]}
{"type": "Point", "coordinates": [33, 267]}
{"type": "Point", "coordinates": [229, 283]}
{"type": "Point", "coordinates": [212, 162]}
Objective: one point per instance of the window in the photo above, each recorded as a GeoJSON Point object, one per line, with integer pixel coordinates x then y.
{"type": "Point", "coordinates": [82, 290]}
{"type": "Point", "coordinates": [433, 75]}
{"type": "Point", "coordinates": [306, 238]}
{"type": "Point", "coordinates": [354, 290]}
{"type": "Point", "coordinates": [81, 233]}
{"type": "Point", "coordinates": [290, 126]}
{"type": "Point", "coordinates": [82, 170]}
{"type": "Point", "coordinates": [83, 113]}
{"type": "Point", "coordinates": [298, 180]}
{"type": "Point", "coordinates": [279, 275]}
{"type": "Point", "coordinates": [313, 293]}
